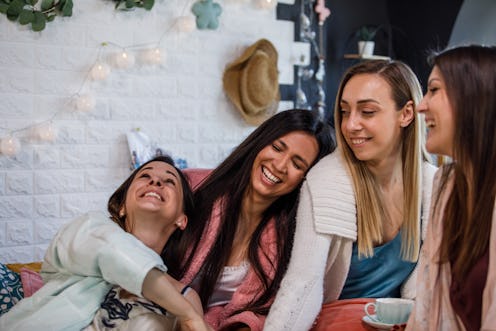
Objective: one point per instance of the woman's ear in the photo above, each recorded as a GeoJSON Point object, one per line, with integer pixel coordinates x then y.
{"type": "Point", "coordinates": [407, 114]}
{"type": "Point", "coordinates": [122, 212]}
{"type": "Point", "coordinates": [182, 221]}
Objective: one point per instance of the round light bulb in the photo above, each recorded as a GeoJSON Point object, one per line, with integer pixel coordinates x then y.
{"type": "Point", "coordinates": [153, 56]}
{"type": "Point", "coordinates": [100, 71]}
{"type": "Point", "coordinates": [124, 60]}
{"type": "Point", "coordinates": [267, 4]}
{"type": "Point", "coordinates": [10, 146]}
{"type": "Point", "coordinates": [186, 23]}
{"type": "Point", "coordinates": [85, 103]}
{"type": "Point", "coordinates": [45, 132]}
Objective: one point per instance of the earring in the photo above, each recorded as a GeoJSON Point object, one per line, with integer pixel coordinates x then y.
{"type": "Point", "coordinates": [122, 213]}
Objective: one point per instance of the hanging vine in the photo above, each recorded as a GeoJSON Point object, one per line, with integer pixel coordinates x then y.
{"type": "Point", "coordinates": [131, 4]}
{"type": "Point", "coordinates": [30, 12]}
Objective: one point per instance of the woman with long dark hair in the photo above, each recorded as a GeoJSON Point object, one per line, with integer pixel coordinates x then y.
{"type": "Point", "coordinates": [242, 232]}
{"type": "Point", "coordinates": [456, 287]}
{"type": "Point", "coordinates": [104, 272]}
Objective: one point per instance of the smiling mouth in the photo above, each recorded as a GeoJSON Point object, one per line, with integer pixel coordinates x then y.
{"type": "Point", "coordinates": [270, 176]}
{"type": "Point", "coordinates": [430, 124]}
{"type": "Point", "coordinates": [357, 141]}
{"type": "Point", "coordinates": [153, 195]}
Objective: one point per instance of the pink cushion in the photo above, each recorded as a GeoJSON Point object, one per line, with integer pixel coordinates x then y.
{"type": "Point", "coordinates": [31, 281]}
{"type": "Point", "coordinates": [343, 315]}
{"type": "Point", "coordinates": [196, 175]}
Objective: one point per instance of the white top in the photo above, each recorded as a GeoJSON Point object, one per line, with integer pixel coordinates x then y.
{"type": "Point", "coordinates": [228, 282]}
{"type": "Point", "coordinates": [321, 255]}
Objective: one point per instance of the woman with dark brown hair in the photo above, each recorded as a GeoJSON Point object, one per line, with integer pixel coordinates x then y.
{"type": "Point", "coordinates": [103, 274]}
{"type": "Point", "coordinates": [242, 232]}
{"type": "Point", "coordinates": [456, 288]}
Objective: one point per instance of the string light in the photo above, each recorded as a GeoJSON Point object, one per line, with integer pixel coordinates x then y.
{"type": "Point", "coordinates": [152, 56]}
{"type": "Point", "coordinates": [186, 23]}
{"type": "Point", "coordinates": [267, 4]}
{"type": "Point", "coordinates": [10, 146]}
{"type": "Point", "coordinates": [99, 71]}
{"type": "Point", "coordinates": [149, 54]}
{"type": "Point", "coordinates": [123, 60]}
{"type": "Point", "coordinates": [45, 132]}
{"type": "Point", "coordinates": [85, 103]}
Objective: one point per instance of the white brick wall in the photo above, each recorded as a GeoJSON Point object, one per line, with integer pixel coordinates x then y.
{"type": "Point", "coordinates": [179, 104]}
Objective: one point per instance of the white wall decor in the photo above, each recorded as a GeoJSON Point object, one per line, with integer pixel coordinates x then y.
{"type": "Point", "coordinates": [48, 79]}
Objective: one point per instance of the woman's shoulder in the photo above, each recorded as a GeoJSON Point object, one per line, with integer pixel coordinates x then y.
{"type": "Point", "coordinates": [329, 167]}
{"type": "Point", "coordinates": [330, 189]}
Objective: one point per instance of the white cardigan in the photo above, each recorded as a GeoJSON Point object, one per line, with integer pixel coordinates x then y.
{"type": "Point", "coordinates": [326, 228]}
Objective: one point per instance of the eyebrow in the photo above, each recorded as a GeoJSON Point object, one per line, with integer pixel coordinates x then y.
{"type": "Point", "coordinates": [432, 80]}
{"type": "Point", "coordinates": [167, 171]}
{"type": "Point", "coordinates": [360, 101]}
{"type": "Point", "coordinates": [296, 156]}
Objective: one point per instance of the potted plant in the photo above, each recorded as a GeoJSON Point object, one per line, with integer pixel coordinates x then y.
{"type": "Point", "coordinates": [366, 44]}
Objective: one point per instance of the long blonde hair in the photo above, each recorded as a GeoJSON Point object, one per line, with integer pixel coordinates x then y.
{"type": "Point", "coordinates": [370, 206]}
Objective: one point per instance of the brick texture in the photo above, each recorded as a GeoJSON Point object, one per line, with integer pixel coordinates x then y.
{"type": "Point", "coordinates": [179, 104]}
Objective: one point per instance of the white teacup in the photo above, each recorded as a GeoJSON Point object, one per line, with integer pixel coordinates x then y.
{"type": "Point", "coordinates": [390, 310]}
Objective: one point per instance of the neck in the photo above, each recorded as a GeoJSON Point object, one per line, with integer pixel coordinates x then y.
{"type": "Point", "coordinates": [151, 231]}
{"type": "Point", "coordinates": [388, 172]}
{"type": "Point", "coordinates": [253, 207]}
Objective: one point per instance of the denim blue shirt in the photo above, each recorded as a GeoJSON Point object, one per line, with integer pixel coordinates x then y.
{"type": "Point", "coordinates": [378, 276]}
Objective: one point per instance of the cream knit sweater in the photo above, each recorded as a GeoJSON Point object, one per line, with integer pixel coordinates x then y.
{"type": "Point", "coordinates": [326, 228]}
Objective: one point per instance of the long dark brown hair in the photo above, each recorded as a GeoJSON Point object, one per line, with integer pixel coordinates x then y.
{"type": "Point", "coordinates": [171, 253]}
{"type": "Point", "coordinates": [469, 74]}
{"type": "Point", "coordinates": [229, 182]}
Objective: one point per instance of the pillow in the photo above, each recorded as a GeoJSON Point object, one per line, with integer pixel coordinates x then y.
{"type": "Point", "coordinates": [10, 289]}
{"type": "Point", "coordinates": [344, 314]}
{"type": "Point", "coordinates": [31, 281]}
{"type": "Point", "coordinates": [196, 175]}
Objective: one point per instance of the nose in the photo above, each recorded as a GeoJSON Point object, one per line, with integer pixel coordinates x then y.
{"type": "Point", "coordinates": [155, 181]}
{"type": "Point", "coordinates": [352, 122]}
{"type": "Point", "coordinates": [422, 106]}
{"type": "Point", "coordinates": [281, 163]}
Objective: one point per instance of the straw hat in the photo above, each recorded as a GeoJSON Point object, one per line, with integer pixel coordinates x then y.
{"type": "Point", "coordinates": [251, 82]}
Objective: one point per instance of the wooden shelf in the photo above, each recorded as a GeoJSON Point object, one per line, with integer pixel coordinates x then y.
{"type": "Point", "coordinates": [366, 57]}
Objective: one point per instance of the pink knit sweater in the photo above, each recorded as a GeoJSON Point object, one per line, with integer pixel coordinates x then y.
{"type": "Point", "coordinates": [220, 317]}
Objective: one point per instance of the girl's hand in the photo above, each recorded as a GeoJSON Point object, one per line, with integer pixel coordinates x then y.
{"type": "Point", "coordinates": [196, 324]}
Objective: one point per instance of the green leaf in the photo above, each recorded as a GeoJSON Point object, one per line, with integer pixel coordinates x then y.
{"type": "Point", "coordinates": [46, 4]}
{"type": "Point", "coordinates": [148, 4]}
{"type": "Point", "coordinates": [130, 3]}
{"type": "Point", "coordinates": [32, 2]}
{"type": "Point", "coordinates": [50, 17]}
{"type": "Point", "coordinates": [14, 9]}
{"type": "Point", "coordinates": [39, 22]}
{"type": "Point", "coordinates": [26, 17]}
{"type": "Point", "coordinates": [67, 8]}
{"type": "Point", "coordinates": [3, 7]}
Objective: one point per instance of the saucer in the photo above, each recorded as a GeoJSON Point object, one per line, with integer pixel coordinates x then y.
{"type": "Point", "coordinates": [375, 324]}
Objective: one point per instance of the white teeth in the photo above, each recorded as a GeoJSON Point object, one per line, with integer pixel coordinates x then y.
{"type": "Point", "coordinates": [430, 124]}
{"type": "Point", "coordinates": [357, 141]}
{"type": "Point", "coordinates": [153, 194]}
{"type": "Point", "coordinates": [270, 176]}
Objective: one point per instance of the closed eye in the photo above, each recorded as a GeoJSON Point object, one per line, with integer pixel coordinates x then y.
{"type": "Point", "coordinates": [297, 165]}
{"type": "Point", "coordinates": [169, 181]}
{"type": "Point", "coordinates": [276, 147]}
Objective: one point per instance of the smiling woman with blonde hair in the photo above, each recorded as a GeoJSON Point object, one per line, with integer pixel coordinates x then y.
{"type": "Point", "coordinates": [362, 208]}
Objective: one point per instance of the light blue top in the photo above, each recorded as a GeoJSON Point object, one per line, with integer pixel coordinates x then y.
{"type": "Point", "coordinates": [378, 276]}
{"type": "Point", "coordinates": [83, 260]}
